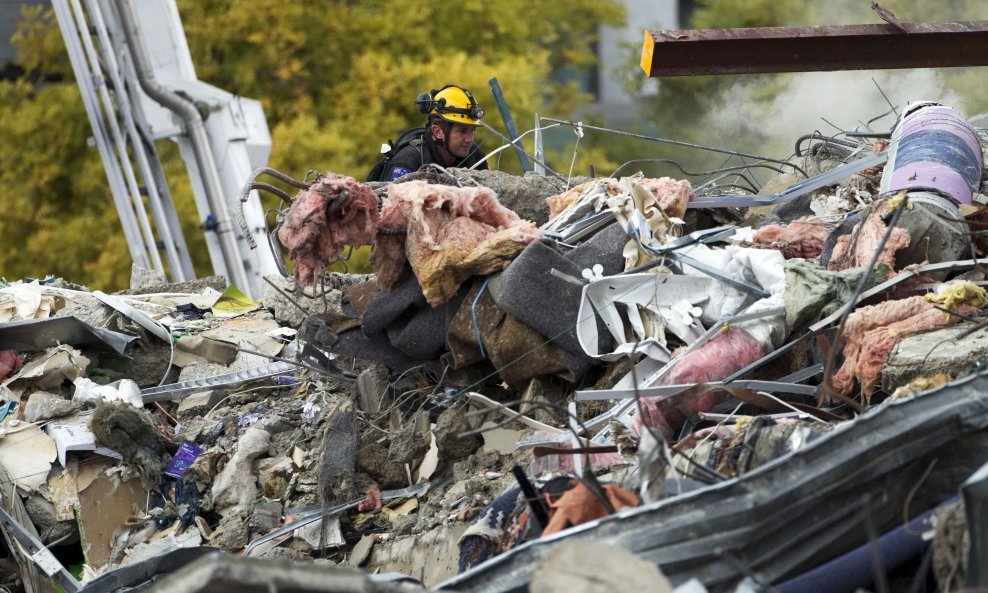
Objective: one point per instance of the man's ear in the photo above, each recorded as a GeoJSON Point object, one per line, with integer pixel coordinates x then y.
{"type": "Point", "coordinates": [438, 135]}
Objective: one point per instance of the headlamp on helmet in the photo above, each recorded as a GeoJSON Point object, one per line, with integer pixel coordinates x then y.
{"type": "Point", "coordinates": [451, 103]}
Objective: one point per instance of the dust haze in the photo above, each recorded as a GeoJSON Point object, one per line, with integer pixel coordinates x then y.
{"type": "Point", "coordinates": [747, 119]}
{"type": "Point", "coordinates": [820, 101]}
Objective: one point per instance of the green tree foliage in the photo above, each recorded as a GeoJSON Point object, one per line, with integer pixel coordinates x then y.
{"type": "Point", "coordinates": [336, 78]}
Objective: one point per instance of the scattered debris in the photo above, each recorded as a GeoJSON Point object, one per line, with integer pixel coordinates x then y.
{"type": "Point", "coordinates": [625, 397]}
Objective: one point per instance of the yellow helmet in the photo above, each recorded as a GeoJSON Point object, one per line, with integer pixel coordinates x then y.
{"type": "Point", "coordinates": [451, 103]}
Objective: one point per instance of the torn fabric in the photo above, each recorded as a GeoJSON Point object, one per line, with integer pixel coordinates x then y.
{"type": "Point", "coordinates": [529, 283]}
{"type": "Point", "coordinates": [579, 505]}
{"type": "Point", "coordinates": [518, 352]}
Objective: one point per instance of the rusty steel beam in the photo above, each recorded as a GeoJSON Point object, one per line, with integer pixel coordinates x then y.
{"type": "Point", "coordinates": [813, 49]}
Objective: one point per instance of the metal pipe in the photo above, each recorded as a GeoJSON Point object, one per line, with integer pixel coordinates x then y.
{"type": "Point", "coordinates": [121, 147]}
{"type": "Point", "coordinates": [179, 263]}
{"type": "Point", "coordinates": [118, 189]}
{"type": "Point", "coordinates": [196, 130]}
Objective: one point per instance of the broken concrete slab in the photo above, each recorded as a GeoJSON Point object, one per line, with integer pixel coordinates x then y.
{"type": "Point", "coordinates": [319, 539]}
{"type": "Point", "coordinates": [257, 333]}
{"type": "Point", "coordinates": [408, 446]}
{"type": "Point", "coordinates": [291, 305]}
{"type": "Point", "coordinates": [941, 351]}
{"type": "Point", "coordinates": [361, 551]}
{"type": "Point", "coordinates": [431, 557]}
{"type": "Point", "coordinates": [596, 567]}
{"type": "Point", "coordinates": [42, 405]}
{"type": "Point", "coordinates": [265, 517]}
{"type": "Point", "coordinates": [372, 459]}
{"type": "Point", "coordinates": [189, 538]}
{"type": "Point", "coordinates": [231, 534]}
{"type": "Point", "coordinates": [501, 441]}
{"type": "Point", "coordinates": [236, 484]}
{"type": "Point", "coordinates": [452, 447]}
{"type": "Point", "coordinates": [198, 404]}
{"type": "Point", "coordinates": [202, 349]}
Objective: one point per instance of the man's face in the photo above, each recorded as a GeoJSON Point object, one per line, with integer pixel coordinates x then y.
{"type": "Point", "coordinates": [460, 139]}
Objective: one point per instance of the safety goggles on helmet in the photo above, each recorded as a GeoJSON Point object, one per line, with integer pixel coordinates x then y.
{"type": "Point", "coordinates": [451, 103]}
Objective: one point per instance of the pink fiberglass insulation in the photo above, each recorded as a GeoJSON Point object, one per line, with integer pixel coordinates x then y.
{"type": "Point", "coordinates": [10, 363]}
{"type": "Point", "coordinates": [859, 254]}
{"type": "Point", "coordinates": [871, 332]}
{"type": "Point", "coordinates": [313, 238]}
{"type": "Point", "coordinates": [453, 233]}
{"type": "Point", "coordinates": [730, 351]}
{"type": "Point", "coordinates": [797, 239]}
{"type": "Point", "coordinates": [672, 195]}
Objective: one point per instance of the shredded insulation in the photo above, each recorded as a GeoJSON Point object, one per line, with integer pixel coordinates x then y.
{"type": "Point", "coordinates": [797, 239]}
{"type": "Point", "coordinates": [313, 237]}
{"type": "Point", "coordinates": [730, 351]}
{"type": "Point", "coordinates": [451, 234]}
{"type": "Point", "coordinates": [850, 253]}
{"type": "Point", "coordinates": [871, 332]}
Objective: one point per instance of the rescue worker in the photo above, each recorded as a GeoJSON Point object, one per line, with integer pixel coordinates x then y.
{"type": "Point", "coordinates": [447, 138]}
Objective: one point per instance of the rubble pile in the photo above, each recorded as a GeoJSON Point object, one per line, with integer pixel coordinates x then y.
{"type": "Point", "coordinates": [502, 402]}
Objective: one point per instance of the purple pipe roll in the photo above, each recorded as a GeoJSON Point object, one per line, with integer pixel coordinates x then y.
{"type": "Point", "coordinates": [934, 149]}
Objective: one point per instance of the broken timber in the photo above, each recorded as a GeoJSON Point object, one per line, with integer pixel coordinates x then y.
{"type": "Point", "coordinates": [812, 49]}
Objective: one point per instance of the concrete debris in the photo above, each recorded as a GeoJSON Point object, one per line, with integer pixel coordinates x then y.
{"type": "Point", "coordinates": [135, 434]}
{"type": "Point", "coordinates": [45, 406]}
{"type": "Point", "coordinates": [236, 485]}
{"type": "Point", "coordinates": [596, 567]}
{"type": "Point", "coordinates": [637, 394]}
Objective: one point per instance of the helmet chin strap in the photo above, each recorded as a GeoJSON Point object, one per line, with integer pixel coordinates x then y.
{"type": "Point", "coordinates": [439, 141]}
{"type": "Point", "coordinates": [442, 149]}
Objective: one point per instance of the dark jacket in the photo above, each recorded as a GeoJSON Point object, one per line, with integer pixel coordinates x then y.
{"type": "Point", "coordinates": [421, 151]}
